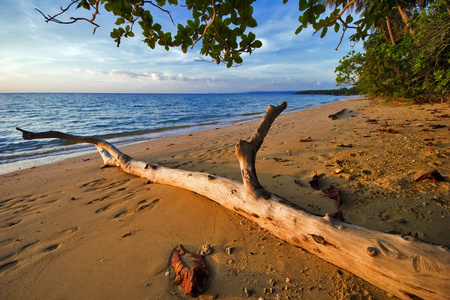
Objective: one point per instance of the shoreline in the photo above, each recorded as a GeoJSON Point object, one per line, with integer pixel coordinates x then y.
{"type": "Point", "coordinates": [59, 153]}
{"type": "Point", "coordinates": [82, 231]}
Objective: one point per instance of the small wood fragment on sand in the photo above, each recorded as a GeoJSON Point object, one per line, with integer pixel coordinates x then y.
{"type": "Point", "coordinates": [337, 114]}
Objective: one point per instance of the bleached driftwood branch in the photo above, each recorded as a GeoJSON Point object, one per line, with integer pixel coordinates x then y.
{"type": "Point", "coordinates": [403, 266]}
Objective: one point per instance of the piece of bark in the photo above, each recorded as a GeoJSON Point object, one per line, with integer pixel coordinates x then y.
{"type": "Point", "coordinates": [390, 130]}
{"type": "Point", "coordinates": [280, 159]}
{"type": "Point", "coordinates": [403, 266]}
{"type": "Point", "coordinates": [338, 216]}
{"type": "Point", "coordinates": [437, 126]}
{"type": "Point", "coordinates": [372, 121]}
{"type": "Point", "coordinates": [434, 175]}
{"type": "Point", "coordinates": [333, 193]}
{"type": "Point", "coordinates": [345, 145]}
{"type": "Point", "coordinates": [314, 183]}
{"type": "Point", "coordinates": [190, 271]}
{"type": "Point", "coordinates": [308, 139]}
{"type": "Point", "coordinates": [336, 115]}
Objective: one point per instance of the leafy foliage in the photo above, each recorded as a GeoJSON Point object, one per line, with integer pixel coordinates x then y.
{"type": "Point", "coordinates": [222, 26]}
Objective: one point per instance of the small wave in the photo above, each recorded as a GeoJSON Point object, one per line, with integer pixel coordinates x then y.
{"type": "Point", "coordinates": [251, 114]}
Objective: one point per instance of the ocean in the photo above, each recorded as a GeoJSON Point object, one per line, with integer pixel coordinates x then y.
{"type": "Point", "coordinates": [123, 119]}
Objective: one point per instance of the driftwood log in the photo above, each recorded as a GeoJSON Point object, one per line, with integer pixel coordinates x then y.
{"type": "Point", "coordinates": [403, 266]}
{"type": "Point", "coordinates": [336, 115]}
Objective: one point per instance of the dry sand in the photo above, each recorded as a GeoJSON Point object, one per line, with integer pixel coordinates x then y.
{"type": "Point", "coordinates": [72, 230]}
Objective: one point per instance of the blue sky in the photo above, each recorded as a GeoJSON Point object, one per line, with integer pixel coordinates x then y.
{"type": "Point", "coordinates": [40, 57]}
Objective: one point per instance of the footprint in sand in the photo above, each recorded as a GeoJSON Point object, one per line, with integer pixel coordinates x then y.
{"type": "Point", "coordinates": [142, 205]}
{"type": "Point", "coordinates": [10, 223]}
{"type": "Point", "coordinates": [108, 196]}
{"type": "Point", "coordinates": [103, 184]}
{"type": "Point", "coordinates": [8, 265]}
{"type": "Point", "coordinates": [65, 233]}
{"type": "Point", "coordinates": [51, 248]}
{"type": "Point", "coordinates": [109, 206]}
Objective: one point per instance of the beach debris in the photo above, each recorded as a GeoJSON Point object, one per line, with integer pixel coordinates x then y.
{"type": "Point", "coordinates": [190, 271]}
{"type": "Point", "coordinates": [308, 139]}
{"type": "Point", "coordinates": [336, 115]}
{"type": "Point", "coordinates": [333, 193]}
{"type": "Point", "coordinates": [338, 171]}
{"type": "Point", "coordinates": [371, 121]}
{"type": "Point", "coordinates": [84, 159]}
{"type": "Point", "coordinates": [206, 250]}
{"type": "Point", "coordinates": [171, 144]}
{"type": "Point", "coordinates": [345, 145]}
{"type": "Point", "coordinates": [298, 182]}
{"type": "Point", "coordinates": [434, 175]}
{"type": "Point", "coordinates": [338, 216]}
{"type": "Point", "coordinates": [248, 292]}
{"type": "Point", "coordinates": [314, 183]}
{"type": "Point", "coordinates": [280, 159]}
{"type": "Point", "coordinates": [229, 250]}
{"type": "Point", "coordinates": [390, 130]}
{"type": "Point", "coordinates": [128, 233]}
{"type": "Point", "coordinates": [437, 126]}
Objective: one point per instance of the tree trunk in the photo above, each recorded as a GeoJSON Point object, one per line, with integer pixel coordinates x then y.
{"type": "Point", "coordinates": [403, 266]}
{"type": "Point", "coordinates": [389, 28]}
{"type": "Point", "coordinates": [405, 20]}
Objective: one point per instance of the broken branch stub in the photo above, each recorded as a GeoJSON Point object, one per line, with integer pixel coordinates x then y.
{"type": "Point", "coordinates": [403, 266]}
{"type": "Point", "coordinates": [246, 152]}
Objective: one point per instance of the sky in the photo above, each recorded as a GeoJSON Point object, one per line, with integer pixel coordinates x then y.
{"type": "Point", "coordinates": [46, 57]}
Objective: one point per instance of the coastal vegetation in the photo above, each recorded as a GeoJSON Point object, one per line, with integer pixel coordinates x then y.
{"type": "Point", "coordinates": [335, 92]}
{"type": "Point", "coordinates": [406, 41]}
{"type": "Point", "coordinates": [406, 57]}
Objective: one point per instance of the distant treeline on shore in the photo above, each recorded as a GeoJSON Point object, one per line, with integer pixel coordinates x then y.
{"type": "Point", "coordinates": [335, 92]}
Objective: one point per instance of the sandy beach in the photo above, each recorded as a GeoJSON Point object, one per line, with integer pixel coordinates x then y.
{"type": "Point", "coordinates": [72, 230]}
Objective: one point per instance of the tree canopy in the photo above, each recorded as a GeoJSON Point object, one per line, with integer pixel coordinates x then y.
{"type": "Point", "coordinates": [222, 28]}
{"type": "Point", "coordinates": [410, 61]}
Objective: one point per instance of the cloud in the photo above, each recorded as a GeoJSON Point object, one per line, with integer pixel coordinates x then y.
{"type": "Point", "coordinates": [153, 76]}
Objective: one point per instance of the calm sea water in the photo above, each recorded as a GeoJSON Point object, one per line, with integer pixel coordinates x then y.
{"type": "Point", "coordinates": [123, 118]}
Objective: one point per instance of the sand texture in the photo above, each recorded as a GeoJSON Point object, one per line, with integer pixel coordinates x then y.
{"type": "Point", "coordinates": [72, 230]}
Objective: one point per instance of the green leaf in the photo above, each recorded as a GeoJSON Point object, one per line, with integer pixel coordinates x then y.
{"type": "Point", "coordinates": [299, 29]}
{"type": "Point", "coordinates": [319, 9]}
{"type": "Point", "coordinates": [336, 27]}
{"type": "Point", "coordinates": [257, 44]}
{"type": "Point", "coordinates": [251, 37]}
{"type": "Point", "coordinates": [120, 21]}
{"type": "Point", "coordinates": [324, 32]}
{"type": "Point", "coordinates": [349, 19]}
{"type": "Point", "coordinates": [302, 5]}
